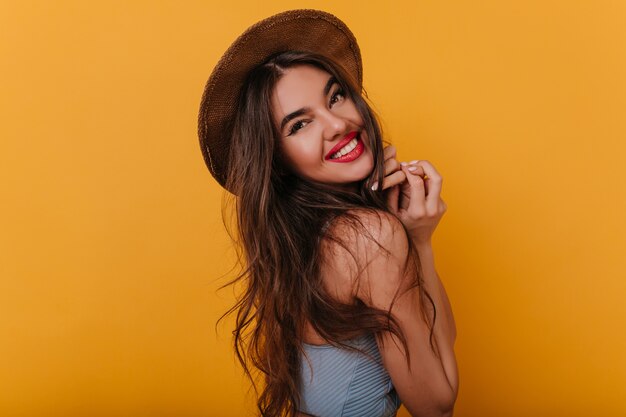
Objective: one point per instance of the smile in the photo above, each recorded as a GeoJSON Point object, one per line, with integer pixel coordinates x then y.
{"type": "Point", "coordinates": [351, 151]}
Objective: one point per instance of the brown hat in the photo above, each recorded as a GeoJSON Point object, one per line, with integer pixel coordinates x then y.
{"type": "Point", "coordinates": [303, 30]}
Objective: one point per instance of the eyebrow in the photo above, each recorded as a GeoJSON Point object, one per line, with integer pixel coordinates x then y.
{"type": "Point", "coordinates": [332, 80]}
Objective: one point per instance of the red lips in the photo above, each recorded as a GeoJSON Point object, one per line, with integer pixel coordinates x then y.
{"type": "Point", "coordinates": [343, 142]}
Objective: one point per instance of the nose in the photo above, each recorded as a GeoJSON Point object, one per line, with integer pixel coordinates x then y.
{"type": "Point", "coordinates": [334, 125]}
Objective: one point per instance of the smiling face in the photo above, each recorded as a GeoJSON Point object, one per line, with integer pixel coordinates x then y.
{"type": "Point", "coordinates": [317, 124]}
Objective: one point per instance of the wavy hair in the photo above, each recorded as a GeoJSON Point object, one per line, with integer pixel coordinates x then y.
{"type": "Point", "coordinates": [280, 221]}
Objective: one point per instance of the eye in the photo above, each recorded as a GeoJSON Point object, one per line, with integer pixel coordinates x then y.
{"type": "Point", "coordinates": [296, 126]}
{"type": "Point", "coordinates": [339, 92]}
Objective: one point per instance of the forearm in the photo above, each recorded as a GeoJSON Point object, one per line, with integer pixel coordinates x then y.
{"type": "Point", "coordinates": [448, 309]}
{"type": "Point", "coordinates": [444, 331]}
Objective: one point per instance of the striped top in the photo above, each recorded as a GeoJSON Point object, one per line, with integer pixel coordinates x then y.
{"type": "Point", "coordinates": [343, 383]}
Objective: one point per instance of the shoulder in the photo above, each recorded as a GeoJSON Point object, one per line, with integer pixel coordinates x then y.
{"type": "Point", "coordinates": [364, 251]}
{"type": "Point", "coordinates": [366, 233]}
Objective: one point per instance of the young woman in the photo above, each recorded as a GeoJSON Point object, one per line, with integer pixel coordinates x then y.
{"type": "Point", "coordinates": [342, 312]}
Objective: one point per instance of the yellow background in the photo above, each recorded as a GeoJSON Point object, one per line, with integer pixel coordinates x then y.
{"type": "Point", "coordinates": [111, 240]}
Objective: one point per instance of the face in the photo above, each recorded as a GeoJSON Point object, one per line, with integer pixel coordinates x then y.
{"type": "Point", "coordinates": [318, 126]}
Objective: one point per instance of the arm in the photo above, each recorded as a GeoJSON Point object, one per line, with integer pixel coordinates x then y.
{"type": "Point", "coordinates": [429, 385]}
{"type": "Point", "coordinates": [445, 326]}
{"type": "Point", "coordinates": [432, 281]}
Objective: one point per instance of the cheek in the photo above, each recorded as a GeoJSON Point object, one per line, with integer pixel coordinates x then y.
{"type": "Point", "coordinates": [304, 153]}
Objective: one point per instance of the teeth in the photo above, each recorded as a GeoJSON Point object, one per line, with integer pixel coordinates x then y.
{"type": "Point", "coordinates": [349, 147]}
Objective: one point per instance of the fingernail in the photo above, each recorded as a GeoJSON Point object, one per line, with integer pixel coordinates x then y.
{"type": "Point", "coordinates": [403, 164]}
{"type": "Point", "coordinates": [415, 161]}
{"type": "Point", "coordinates": [412, 168]}
{"type": "Point", "coordinates": [375, 186]}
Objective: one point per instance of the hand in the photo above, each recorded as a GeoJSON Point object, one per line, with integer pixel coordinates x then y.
{"type": "Point", "coordinates": [393, 174]}
{"type": "Point", "coordinates": [416, 201]}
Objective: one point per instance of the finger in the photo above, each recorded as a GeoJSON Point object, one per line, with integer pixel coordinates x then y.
{"type": "Point", "coordinates": [416, 170]}
{"type": "Point", "coordinates": [414, 167]}
{"type": "Point", "coordinates": [396, 178]}
{"type": "Point", "coordinates": [417, 202]}
{"type": "Point", "coordinates": [444, 206]}
{"type": "Point", "coordinates": [392, 198]}
{"type": "Point", "coordinates": [389, 152]}
{"type": "Point", "coordinates": [391, 165]}
{"type": "Point", "coordinates": [433, 185]}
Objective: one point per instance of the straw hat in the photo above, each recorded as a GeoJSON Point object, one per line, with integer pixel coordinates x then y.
{"type": "Point", "coordinates": [303, 30]}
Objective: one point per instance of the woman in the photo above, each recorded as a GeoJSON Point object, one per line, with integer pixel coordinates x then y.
{"type": "Point", "coordinates": [342, 313]}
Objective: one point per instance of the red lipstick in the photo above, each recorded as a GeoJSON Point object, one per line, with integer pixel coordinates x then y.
{"type": "Point", "coordinates": [343, 142]}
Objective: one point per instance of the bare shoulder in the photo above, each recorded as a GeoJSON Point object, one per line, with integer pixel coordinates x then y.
{"type": "Point", "coordinates": [362, 248]}
{"type": "Point", "coordinates": [367, 233]}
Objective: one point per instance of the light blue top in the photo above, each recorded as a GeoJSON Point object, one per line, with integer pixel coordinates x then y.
{"type": "Point", "coordinates": [345, 383]}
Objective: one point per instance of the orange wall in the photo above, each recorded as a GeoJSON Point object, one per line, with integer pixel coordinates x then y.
{"type": "Point", "coordinates": [111, 238]}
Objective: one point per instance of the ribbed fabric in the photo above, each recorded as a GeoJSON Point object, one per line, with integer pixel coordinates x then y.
{"type": "Point", "coordinates": [347, 384]}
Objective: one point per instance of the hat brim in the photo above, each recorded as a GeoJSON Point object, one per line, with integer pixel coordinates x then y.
{"type": "Point", "coordinates": [303, 30]}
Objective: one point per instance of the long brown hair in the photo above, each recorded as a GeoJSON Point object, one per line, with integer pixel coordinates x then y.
{"type": "Point", "coordinates": [280, 220]}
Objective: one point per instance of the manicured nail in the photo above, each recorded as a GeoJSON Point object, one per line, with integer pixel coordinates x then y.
{"type": "Point", "coordinates": [412, 168]}
{"type": "Point", "coordinates": [415, 161]}
{"type": "Point", "coordinates": [403, 164]}
{"type": "Point", "coordinates": [375, 186]}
